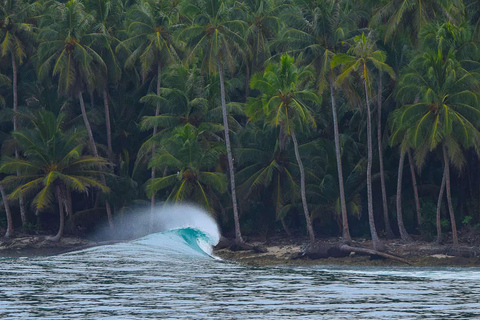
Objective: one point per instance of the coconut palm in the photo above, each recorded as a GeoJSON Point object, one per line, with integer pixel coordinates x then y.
{"type": "Point", "coordinates": [445, 116]}
{"type": "Point", "coordinates": [283, 103]}
{"type": "Point", "coordinates": [108, 16]}
{"type": "Point", "coordinates": [268, 166]}
{"type": "Point", "coordinates": [316, 31]}
{"type": "Point", "coordinates": [53, 164]}
{"type": "Point", "coordinates": [152, 43]}
{"type": "Point", "coordinates": [361, 57]}
{"type": "Point", "coordinates": [16, 37]}
{"type": "Point", "coordinates": [189, 161]}
{"type": "Point", "coordinates": [411, 15]}
{"type": "Point", "coordinates": [65, 51]}
{"type": "Point", "coordinates": [219, 37]}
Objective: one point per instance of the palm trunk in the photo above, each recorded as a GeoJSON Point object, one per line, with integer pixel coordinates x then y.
{"type": "Point", "coordinates": [61, 205]}
{"type": "Point", "coordinates": [439, 205]}
{"type": "Point", "coordinates": [21, 200]}
{"type": "Point", "coordinates": [388, 227]}
{"type": "Point", "coordinates": [415, 188]}
{"type": "Point", "coordinates": [238, 234]}
{"type": "Point", "coordinates": [449, 197]}
{"type": "Point", "coordinates": [157, 113]}
{"type": "Point", "coordinates": [311, 234]}
{"type": "Point", "coordinates": [377, 245]}
{"type": "Point", "coordinates": [343, 202]}
{"type": "Point", "coordinates": [108, 125]}
{"type": "Point", "coordinates": [8, 213]}
{"type": "Point", "coordinates": [401, 227]}
{"type": "Point", "coordinates": [93, 147]}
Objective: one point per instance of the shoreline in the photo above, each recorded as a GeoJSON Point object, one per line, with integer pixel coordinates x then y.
{"type": "Point", "coordinates": [279, 252]}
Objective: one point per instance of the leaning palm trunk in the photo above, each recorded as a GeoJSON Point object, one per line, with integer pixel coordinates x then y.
{"type": "Point", "coordinates": [157, 113]}
{"type": "Point", "coordinates": [415, 188]}
{"type": "Point", "coordinates": [388, 227]}
{"type": "Point", "coordinates": [8, 213]}
{"type": "Point", "coordinates": [61, 205]}
{"type": "Point", "coordinates": [93, 146]}
{"type": "Point", "coordinates": [449, 197]}
{"type": "Point", "coordinates": [238, 234]}
{"type": "Point", "coordinates": [108, 124]}
{"type": "Point", "coordinates": [21, 200]}
{"type": "Point", "coordinates": [343, 203]}
{"type": "Point", "coordinates": [439, 205]}
{"type": "Point", "coordinates": [311, 234]}
{"type": "Point", "coordinates": [377, 245]}
{"type": "Point", "coordinates": [401, 227]}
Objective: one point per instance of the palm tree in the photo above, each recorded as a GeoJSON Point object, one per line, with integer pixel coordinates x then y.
{"type": "Point", "coordinates": [64, 43]}
{"type": "Point", "coordinates": [108, 18]}
{"type": "Point", "coordinates": [283, 104]}
{"type": "Point", "coordinates": [190, 159]}
{"type": "Point", "coordinates": [359, 58]}
{"type": "Point", "coordinates": [16, 36]}
{"type": "Point", "coordinates": [53, 164]}
{"type": "Point", "coordinates": [263, 24]}
{"type": "Point", "coordinates": [316, 30]}
{"type": "Point", "coordinates": [152, 43]}
{"type": "Point", "coordinates": [412, 15]}
{"type": "Point", "coordinates": [267, 166]}
{"type": "Point", "coordinates": [219, 38]}
{"type": "Point", "coordinates": [446, 114]}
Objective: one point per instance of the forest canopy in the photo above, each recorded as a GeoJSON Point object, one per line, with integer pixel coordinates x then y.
{"type": "Point", "coordinates": [319, 117]}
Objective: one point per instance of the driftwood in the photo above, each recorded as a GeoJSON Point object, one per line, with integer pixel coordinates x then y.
{"type": "Point", "coordinates": [347, 248]}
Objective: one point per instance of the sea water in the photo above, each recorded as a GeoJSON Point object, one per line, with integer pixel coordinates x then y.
{"type": "Point", "coordinates": [172, 274]}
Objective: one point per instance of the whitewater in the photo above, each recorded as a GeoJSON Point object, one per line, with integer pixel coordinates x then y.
{"type": "Point", "coordinates": [172, 273]}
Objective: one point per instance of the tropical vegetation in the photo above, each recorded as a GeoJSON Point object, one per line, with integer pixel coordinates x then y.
{"type": "Point", "coordinates": [276, 116]}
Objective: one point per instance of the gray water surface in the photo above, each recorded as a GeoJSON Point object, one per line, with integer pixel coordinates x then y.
{"type": "Point", "coordinates": [161, 276]}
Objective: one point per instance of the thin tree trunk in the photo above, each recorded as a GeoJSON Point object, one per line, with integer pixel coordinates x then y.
{"type": "Point", "coordinates": [388, 227]}
{"type": "Point", "coordinates": [108, 124]}
{"type": "Point", "coordinates": [157, 113]}
{"type": "Point", "coordinates": [343, 202]}
{"type": "Point", "coordinates": [401, 227]}
{"type": "Point", "coordinates": [439, 205]}
{"type": "Point", "coordinates": [377, 245]}
{"type": "Point", "coordinates": [21, 200]}
{"type": "Point", "coordinates": [238, 234]}
{"type": "Point", "coordinates": [93, 147]}
{"type": "Point", "coordinates": [61, 206]}
{"type": "Point", "coordinates": [449, 197]}
{"type": "Point", "coordinates": [311, 234]}
{"type": "Point", "coordinates": [8, 213]}
{"type": "Point", "coordinates": [247, 82]}
{"type": "Point", "coordinates": [415, 188]}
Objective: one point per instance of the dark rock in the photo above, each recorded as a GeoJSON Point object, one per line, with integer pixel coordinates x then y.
{"type": "Point", "coordinates": [298, 255]}
{"type": "Point", "coordinates": [260, 249]}
{"type": "Point", "coordinates": [317, 251]}
{"type": "Point", "coordinates": [335, 252]}
{"type": "Point", "coordinates": [224, 243]}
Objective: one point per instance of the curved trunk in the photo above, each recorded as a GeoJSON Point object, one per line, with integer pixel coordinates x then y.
{"type": "Point", "coordinates": [415, 188]}
{"type": "Point", "coordinates": [311, 234]}
{"type": "Point", "coordinates": [238, 233]}
{"type": "Point", "coordinates": [377, 245]}
{"type": "Point", "coordinates": [108, 125]}
{"type": "Point", "coordinates": [21, 200]}
{"type": "Point", "coordinates": [449, 197]}
{"type": "Point", "coordinates": [157, 113]}
{"type": "Point", "coordinates": [401, 227]}
{"type": "Point", "coordinates": [286, 229]}
{"type": "Point", "coordinates": [386, 217]}
{"type": "Point", "coordinates": [93, 147]}
{"type": "Point", "coordinates": [8, 213]}
{"type": "Point", "coordinates": [61, 205]}
{"type": "Point", "coordinates": [343, 202]}
{"type": "Point", "coordinates": [439, 206]}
